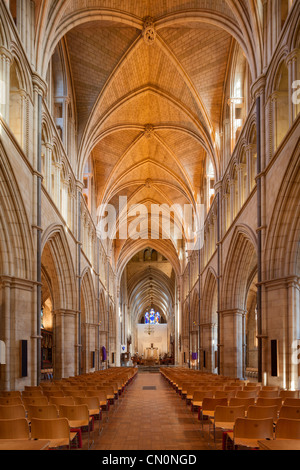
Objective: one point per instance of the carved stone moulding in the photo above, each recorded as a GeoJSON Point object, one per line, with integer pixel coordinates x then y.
{"type": "Point", "coordinates": [149, 33]}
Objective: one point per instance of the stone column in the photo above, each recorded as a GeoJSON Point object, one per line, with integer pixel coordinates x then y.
{"type": "Point", "coordinates": [5, 334]}
{"type": "Point", "coordinates": [48, 156]}
{"type": "Point", "coordinates": [232, 198]}
{"type": "Point", "coordinates": [233, 342]}
{"type": "Point", "coordinates": [65, 343]}
{"type": "Point", "coordinates": [70, 342]}
{"type": "Point", "coordinates": [241, 192]}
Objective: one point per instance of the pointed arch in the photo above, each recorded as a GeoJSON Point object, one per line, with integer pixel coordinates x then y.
{"type": "Point", "coordinates": [57, 260]}
{"type": "Point", "coordinates": [241, 262]}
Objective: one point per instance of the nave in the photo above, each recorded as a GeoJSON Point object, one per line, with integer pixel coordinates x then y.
{"type": "Point", "coordinates": [155, 419]}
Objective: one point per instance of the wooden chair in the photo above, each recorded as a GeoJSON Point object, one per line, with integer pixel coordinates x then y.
{"type": "Point", "coordinates": [12, 412]}
{"type": "Point", "coordinates": [246, 394]}
{"type": "Point", "coordinates": [74, 393]}
{"type": "Point", "coordinates": [225, 417]}
{"type": "Point", "coordinates": [268, 394]}
{"type": "Point", "coordinates": [32, 394]}
{"type": "Point", "coordinates": [29, 388]}
{"type": "Point", "coordinates": [208, 408]}
{"type": "Point", "coordinates": [54, 393]}
{"type": "Point", "coordinates": [109, 393]}
{"type": "Point", "coordinates": [270, 389]}
{"type": "Point", "coordinates": [78, 417]}
{"type": "Point", "coordinates": [198, 399]}
{"type": "Point", "coordinates": [289, 394]}
{"type": "Point", "coordinates": [288, 429]}
{"type": "Point", "coordinates": [10, 394]}
{"type": "Point", "coordinates": [57, 401]}
{"type": "Point", "coordinates": [37, 401]}
{"type": "Point", "coordinates": [263, 412]}
{"type": "Point", "coordinates": [247, 432]}
{"type": "Point", "coordinates": [269, 402]}
{"type": "Point", "coordinates": [290, 412]}
{"type": "Point", "coordinates": [57, 431]}
{"type": "Point", "coordinates": [250, 385]}
{"type": "Point", "coordinates": [42, 412]}
{"type": "Point", "coordinates": [104, 402]}
{"type": "Point", "coordinates": [291, 402]}
{"type": "Point", "coordinates": [14, 429]}
{"type": "Point", "coordinates": [10, 401]}
{"type": "Point", "coordinates": [93, 404]}
{"type": "Point", "coordinates": [228, 394]}
{"type": "Point", "coordinates": [237, 388]}
{"type": "Point", "coordinates": [246, 402]}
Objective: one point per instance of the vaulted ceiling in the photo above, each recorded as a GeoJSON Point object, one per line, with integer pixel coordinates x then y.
{"type": "Point", "coordinates": [148, 82]}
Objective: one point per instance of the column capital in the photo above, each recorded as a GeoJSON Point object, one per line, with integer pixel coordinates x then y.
{"type": "Point", "coordinates": [292, 56]}
{"type": "Point", "coordinates": [6, 53]}
{"type": "Point", "coordinates": [39, 85]}
{"type": "Point", "coordinates": [258, 87]}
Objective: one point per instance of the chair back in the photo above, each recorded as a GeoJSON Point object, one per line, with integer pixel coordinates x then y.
{"type": "Point", "coordinates": [270, 389]}
{"type": "Point", "coordinates": [74, 412]}
{"type": "Point", "coordinates": [28, 388]}
{"type": "Point", "coordinates": [38, 401]}
{"type": "Point", "coordinates": [61, 401]}
{"type": "Point", "coordinates": [290, 412]}
{"type": "Point", "coordinates": [10, 394]}
{"type": "Point", "coordinates": [200, 395]}
{"type": "Point", "coordinates": [268, 394]}
{"type": "Point", "coordinates": [263, 412]}
{"type": "Point", "coordinates": [32, 394]}
{"type": "Point", "coordinates": [57, 428]}
{"type": "Point", "coordinates": [269, 402]}
{"type": "Point", "coordinates": [42, 412]}
{"type": "Point", "coordinates": [228, 395]}
{"type": "Point", "coordinates": [288, 429]}
{"type": "Point", "coordinates": [292, 401]}
{"type": "Point", "coordinates": [210, 404]}
{"type": "Point", "coordinates": [97, 393]}
{"type": "Point", "coordinates": [247, 428]}
{"type": "Point", "coordinates": [75, 393]}
{"type": "Point", "coordinates": [10, 401]}
{"type": "Point", "coordinates": [242, 402]}
{"type": "Point", "coordinates": [12, 412]}
{"type": "Point", "coordinates": [14, 429]}
{"type": "Point", "coordinates": [228, 414]}
{"type": "Point", "coordinates": [54, 393]}
{"type": "Point", "coordinates": [284, 394]}
{"type": "Point", "coordinates": [246, 394]}
{"type": "Point", "coordinates": [93, 403]}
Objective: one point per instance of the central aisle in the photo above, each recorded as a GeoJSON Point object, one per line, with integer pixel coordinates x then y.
{"type": "Point", "coordinates": [151, 420]}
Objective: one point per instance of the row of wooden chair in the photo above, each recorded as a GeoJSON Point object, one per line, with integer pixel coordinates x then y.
{"type": "Point", "coordinates": [238, 409]}
{"type": "Point", "coordinates": [79, 416]}
{"type": "Point", "coordinates": [58, 411]}
{"type": "Point", "coordinates": [227, 419]}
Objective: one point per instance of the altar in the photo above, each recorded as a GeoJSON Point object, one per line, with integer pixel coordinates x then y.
{"type": "Point", "coordinates": [151, 347]}
{"type": "Point", "coordinates": [152, 353]}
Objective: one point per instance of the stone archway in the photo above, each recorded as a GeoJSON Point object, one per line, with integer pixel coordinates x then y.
{"type": "Point", "coordinates": [58, 267]}
{"type": "Point", "coordinates": [240, 265]}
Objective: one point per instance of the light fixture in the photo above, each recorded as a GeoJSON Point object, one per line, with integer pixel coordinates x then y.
{"type": "Point", "coordinates": [149, 330]}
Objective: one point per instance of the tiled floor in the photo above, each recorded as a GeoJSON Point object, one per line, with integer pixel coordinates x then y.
{"type": "Point", "coordinates": [151, 420]}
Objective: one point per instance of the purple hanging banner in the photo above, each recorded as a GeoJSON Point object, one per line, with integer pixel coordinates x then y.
{"type": "Point", "coordinates": [104, 354]}
{"type": "Point", "coordinates": [194, 356]}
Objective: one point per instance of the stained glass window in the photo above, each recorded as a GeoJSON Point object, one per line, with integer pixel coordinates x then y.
{"type": "Point", "coordinates": [152, 318]}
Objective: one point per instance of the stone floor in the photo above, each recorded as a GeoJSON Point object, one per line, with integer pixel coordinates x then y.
{"type": "Point", "coordinates": [150, 419]}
